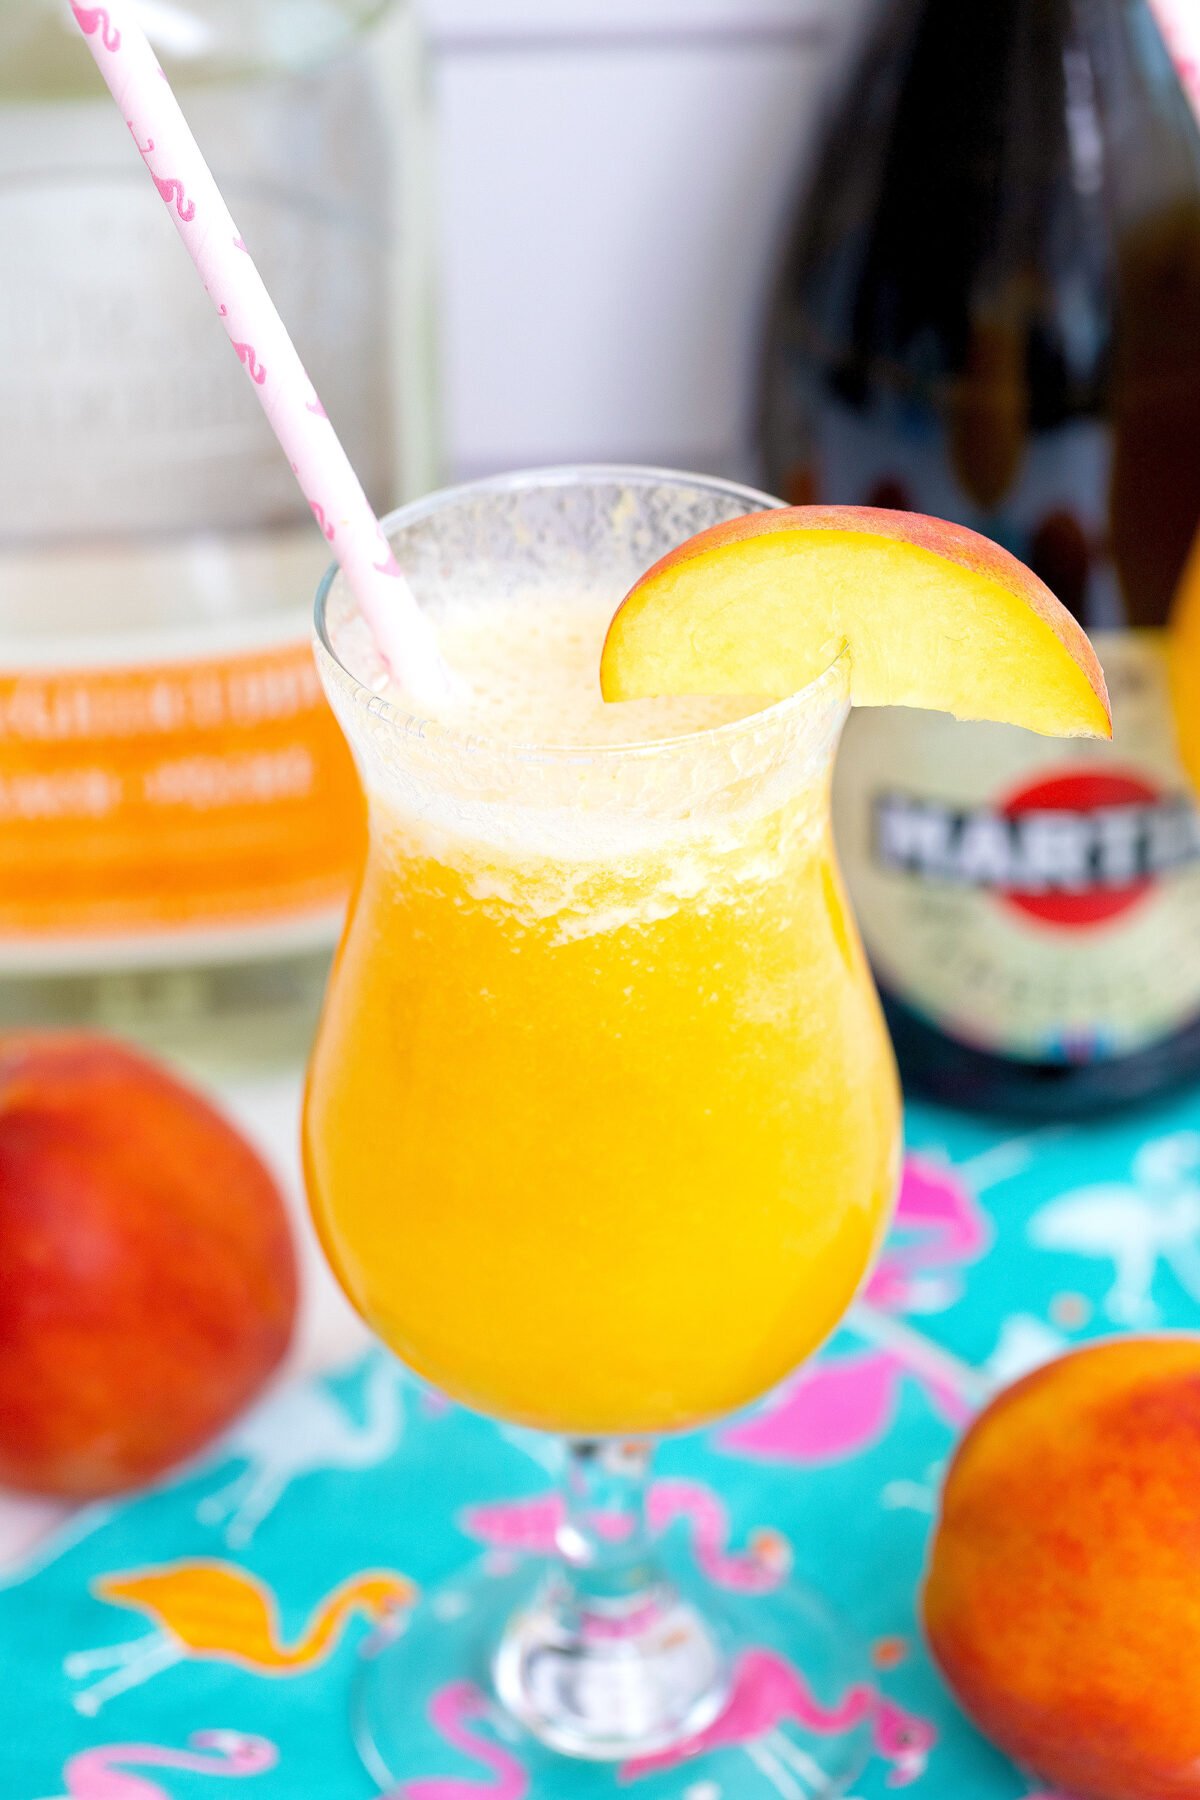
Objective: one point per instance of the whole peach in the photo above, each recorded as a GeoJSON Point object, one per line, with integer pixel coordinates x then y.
{"type": "Point", "coordinates": [1063, 1595]}
{"type": "Point", "coordinates": [147, 1277]}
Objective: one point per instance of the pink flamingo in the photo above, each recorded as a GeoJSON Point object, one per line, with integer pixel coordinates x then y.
{"type": "Point", "coordinates": [318, 511]}
{"type": "Point", "coordinates": [905, 1741]}
{"type": "Point", "coordinates": [768, 1692]}
{"type": "Point", "coordinates": [759, 1569]}
{"type": "Point", "coordinates": [531, 1527]}
{"type": "Point", "coordinates": [171, 192]}
{"type": "Point", "coordinates": [92, 1775]}
{"type": "Point", "coordinates": [247, 357]}
{"type": "Point", "coordinates": [95, 18]}
{"type": "Point", "coordinates": [838, 1407]}
{"type": "Point", "coordinates": [452, 1712]}
{"type": "Point", "coordinates": [823, 1413]}
{"type": "Point", "coordinates": [939, 1226]}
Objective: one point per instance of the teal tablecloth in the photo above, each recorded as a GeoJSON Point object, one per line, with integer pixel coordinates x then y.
{"type": "Point", "coordinates": [1008, 1247]}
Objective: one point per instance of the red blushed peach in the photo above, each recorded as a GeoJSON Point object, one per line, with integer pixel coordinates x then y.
{"type": "Point", "coordinates": [147, 1277]}
{"type": "Point", "coordinates": [928, 614]}
{"type": "Point", "coordinates": [1063, 1597]}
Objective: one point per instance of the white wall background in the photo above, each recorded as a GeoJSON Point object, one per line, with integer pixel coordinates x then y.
{"type": "Point", "coordinates": [611, 177]}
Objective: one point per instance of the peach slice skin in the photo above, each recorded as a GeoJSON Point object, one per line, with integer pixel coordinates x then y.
{"type": "Point", "coordinates": [929, 614]}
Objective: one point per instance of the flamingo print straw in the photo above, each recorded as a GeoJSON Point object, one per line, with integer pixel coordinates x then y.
{"type": "Point", "coordinates": [258, 335]}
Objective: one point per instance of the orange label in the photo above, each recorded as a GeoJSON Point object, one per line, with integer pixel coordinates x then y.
{"type": "Point", "coordinates": [210, 793]}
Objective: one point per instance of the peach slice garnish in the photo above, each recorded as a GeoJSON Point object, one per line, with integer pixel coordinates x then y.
{"type": "Point", "coordinates": [929, 614]}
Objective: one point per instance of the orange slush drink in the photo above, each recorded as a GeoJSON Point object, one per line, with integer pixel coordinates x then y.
{"type": "Point", "coordinates": [602, 1124]}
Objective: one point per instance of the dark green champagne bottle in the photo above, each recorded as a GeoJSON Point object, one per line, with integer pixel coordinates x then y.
{"type": "Point", "coordinates": [989, 309]}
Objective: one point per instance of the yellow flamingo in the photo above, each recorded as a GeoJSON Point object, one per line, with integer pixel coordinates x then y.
{"type": "Point", "coordinates": [213, 1610]}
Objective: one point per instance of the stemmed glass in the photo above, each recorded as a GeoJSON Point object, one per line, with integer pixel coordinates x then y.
{"type": "Point", "coordinates": [602, 1126]}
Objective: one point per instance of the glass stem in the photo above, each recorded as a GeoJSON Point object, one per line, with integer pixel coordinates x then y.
{"type": "Point", "coordinates": [608, 1660]}
{"type": "Point", "coordinates": [608, 1557]}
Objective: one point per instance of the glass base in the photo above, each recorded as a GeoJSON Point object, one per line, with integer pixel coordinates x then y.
{"type": "Point", "coordinates": [749, 1696]}
{"type": "Point", "coordinates": [625, 1682]}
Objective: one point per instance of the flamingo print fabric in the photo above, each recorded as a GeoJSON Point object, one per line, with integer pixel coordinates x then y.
{"type": "Point", "coordinates": [201, 1638]}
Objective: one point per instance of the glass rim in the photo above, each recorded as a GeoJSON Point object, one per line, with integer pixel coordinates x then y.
{"type": "Point", "coordinates": [410, 723]}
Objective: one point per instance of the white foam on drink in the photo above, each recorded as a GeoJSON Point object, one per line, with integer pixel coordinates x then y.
{"type": "Point", "coordinates": [529, 668]}
{"type": "Point", "coordinates": [553, 806]}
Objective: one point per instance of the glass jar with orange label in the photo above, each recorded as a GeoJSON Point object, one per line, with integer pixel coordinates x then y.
{"type": "Point", "coordinates": [179, 819]}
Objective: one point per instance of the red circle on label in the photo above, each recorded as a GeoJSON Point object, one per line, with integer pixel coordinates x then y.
{"type": "Point", "coordinates": [1082, 792]}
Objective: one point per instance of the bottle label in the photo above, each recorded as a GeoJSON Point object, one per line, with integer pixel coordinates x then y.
{"type": "Point", "coordinates": [173, 787]}
{"type": "Point", "coordinates": [208, 796]}
{"type": "Point", "coordinates": [122, 409]}
{"type": "Point", "coordinates": [1033, 899]}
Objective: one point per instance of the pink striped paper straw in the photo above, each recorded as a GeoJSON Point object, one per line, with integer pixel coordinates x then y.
{"type": "Point", "coordinates": [185, 183]}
